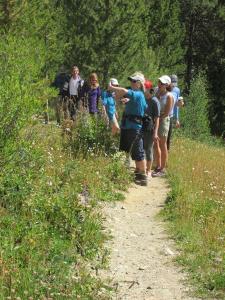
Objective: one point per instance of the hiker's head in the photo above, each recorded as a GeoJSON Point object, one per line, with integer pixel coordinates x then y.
{"type": "Point", "coordinates": [74, 71]}
{"type": "Point", "coordinates": [149, 90]}
{"type": "Point", "coordinates": [174, 80]}
{"type": "Point", "coordinates": [137, 81]}
{"type": "Point", "coordinates": [93, 80]}
{"type": "Point", "coordinates": [164, 83]}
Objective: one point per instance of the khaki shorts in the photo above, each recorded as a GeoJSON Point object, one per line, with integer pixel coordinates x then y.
{"type": "Point", "coordinates": [164, 125]}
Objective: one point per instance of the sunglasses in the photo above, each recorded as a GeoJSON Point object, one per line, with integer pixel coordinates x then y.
{"type": "Point", "coordinates": [134, 81]}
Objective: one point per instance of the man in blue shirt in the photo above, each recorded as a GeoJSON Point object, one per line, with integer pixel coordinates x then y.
{"type": "Point", "coordinates": [131, 140]}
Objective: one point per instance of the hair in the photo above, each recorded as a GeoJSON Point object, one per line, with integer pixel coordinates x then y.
{"type": "Point", "coordinates": [95, 76]}
{"type": "Point", "coordinates": [169, 88]}
{"type": "Point", "coordinates": [142, 86]}
{"type": "Point", "coordinates": [73, 67]}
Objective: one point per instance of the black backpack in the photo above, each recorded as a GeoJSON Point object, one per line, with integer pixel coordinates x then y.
{"type": "Point", "coordinates": [147, 123]}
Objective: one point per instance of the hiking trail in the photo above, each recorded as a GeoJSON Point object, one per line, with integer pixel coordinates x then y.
{"type": "Point", "coordinates": [141, 264]}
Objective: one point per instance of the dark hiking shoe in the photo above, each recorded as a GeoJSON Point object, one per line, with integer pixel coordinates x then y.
{"type": "Point", "coordinates": [156, 170]}
{"type": "Point", "coordinates": [141, 179]}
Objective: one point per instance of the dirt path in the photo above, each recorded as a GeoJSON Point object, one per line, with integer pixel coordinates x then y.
{"type": "Point", "coordinates": [141, 263]}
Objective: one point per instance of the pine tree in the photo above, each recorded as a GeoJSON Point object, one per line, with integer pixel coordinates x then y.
{"type": "Point", "coordinates": [205, 43]}
{"type": "Point", "coordinates": [107, 36]}
{"type": "Point", "coordinates": [165, 34]}
{"type": "Point", "coordinates": [195, 115]}
{"type": "Point", "coordinates": [30, 50]}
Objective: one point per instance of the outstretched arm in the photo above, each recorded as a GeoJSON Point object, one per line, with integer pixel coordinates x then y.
{"type": "Point", "coordinates": [120, 92]}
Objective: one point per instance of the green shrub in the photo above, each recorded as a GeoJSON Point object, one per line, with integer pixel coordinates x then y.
{"type": "Point", "coordinates": [51, 229]}
{"type": "Point", "coordinates": [195, 114]}
{"type": "Point", "coordinates": [91, 137]}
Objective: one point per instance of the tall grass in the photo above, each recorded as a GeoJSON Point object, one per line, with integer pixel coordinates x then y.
{"type": "Point", "coordinates": [196, 210]}
{"type": "Point", "coordinates": [52, 237]}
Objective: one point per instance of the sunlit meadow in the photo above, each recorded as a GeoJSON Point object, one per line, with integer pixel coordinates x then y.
{"type": "Point", "coordinates": [196, 209]}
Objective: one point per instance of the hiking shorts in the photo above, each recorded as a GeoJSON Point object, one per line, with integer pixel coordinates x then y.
{"type": "Point", "coordinates": [131, 141]}
{"type": "Point", "coordinates": [164, 125]}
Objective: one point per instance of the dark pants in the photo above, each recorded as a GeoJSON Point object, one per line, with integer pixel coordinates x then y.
{"type": "Point", "coordinates": [170, 133]}
{"type": "Point", "coordinates": [73, 106]}
{"type": "Point", "coordinates": [131, 141]}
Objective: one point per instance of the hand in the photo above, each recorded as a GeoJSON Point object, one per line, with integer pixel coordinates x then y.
{"type": "Point", "coordinates": [125, 100]}
{"type": "Point", "coordinates": [180, 103]}
{"type": "Point", "coordinates": [177, 124]}
{"type": "Point", "coordinates": [155, 138]}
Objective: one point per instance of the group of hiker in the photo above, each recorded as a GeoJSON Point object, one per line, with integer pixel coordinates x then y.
{"type": "Point", "coordinates": [147, 121]}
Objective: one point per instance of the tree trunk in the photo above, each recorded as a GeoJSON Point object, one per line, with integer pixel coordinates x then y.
{"type": "Point", "coordinates": [189, 57]}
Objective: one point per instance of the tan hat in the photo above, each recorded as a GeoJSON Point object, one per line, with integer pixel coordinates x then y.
{"type": "Point", "coordinates": [137, 76]}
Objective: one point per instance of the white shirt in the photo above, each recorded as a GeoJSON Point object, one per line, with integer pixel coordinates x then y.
{"type": "Point", "coordinates": [73, 86]}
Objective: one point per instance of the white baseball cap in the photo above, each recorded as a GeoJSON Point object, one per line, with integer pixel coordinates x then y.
{"type": "Point", "coordinates": [165, 79]}
{"type": "Point", "coordinates": [138, 77]}
{"type": "Point", "coordinates": [114, 81]}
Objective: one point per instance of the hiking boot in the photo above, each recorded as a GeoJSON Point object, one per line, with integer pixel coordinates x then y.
{"type": "Point", "coordinates": [161, 173]}
{"type": "Point", "coordinates": [157, 170]}
{"type": "Point", "coordinates": [141, 179]}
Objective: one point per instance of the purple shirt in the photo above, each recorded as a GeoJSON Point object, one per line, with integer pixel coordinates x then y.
{"type": "Point", "coordinates": [93, 99]}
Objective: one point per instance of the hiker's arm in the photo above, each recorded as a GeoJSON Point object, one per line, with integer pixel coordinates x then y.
{"type": "Point", "coordinates": [169, 105]}
{"type": "Point", "coordinates": [120, 92]}
{"type": "Point", "coordinates": [155, 132]}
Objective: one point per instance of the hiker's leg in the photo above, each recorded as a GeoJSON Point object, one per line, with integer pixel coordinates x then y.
{"type": "Point", "coordinates": [65, 107]}
{"type": "Point", "coordinates": [137, 152]}
{"type": "Point", "coordinates": [46, 115]}
{"type": "Point", "coordinates": [141, 166]}
{"type": "Point", "coordinates": [77, 102]}
{"type": "Point", "coordinates": [169, 133]}
{"type": "Point", "coordinates": [148, 147]}
{"type": "Point", "coordinates": [115, 125]}
{"type": "Point", "coordinates": [72, 107]}
{"type": "Point", "coordinates": [164, 151]}
{"type": "Point", "coordinates": [157, 155]}
{"type": "Point", "coordinates": [58, 109]}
